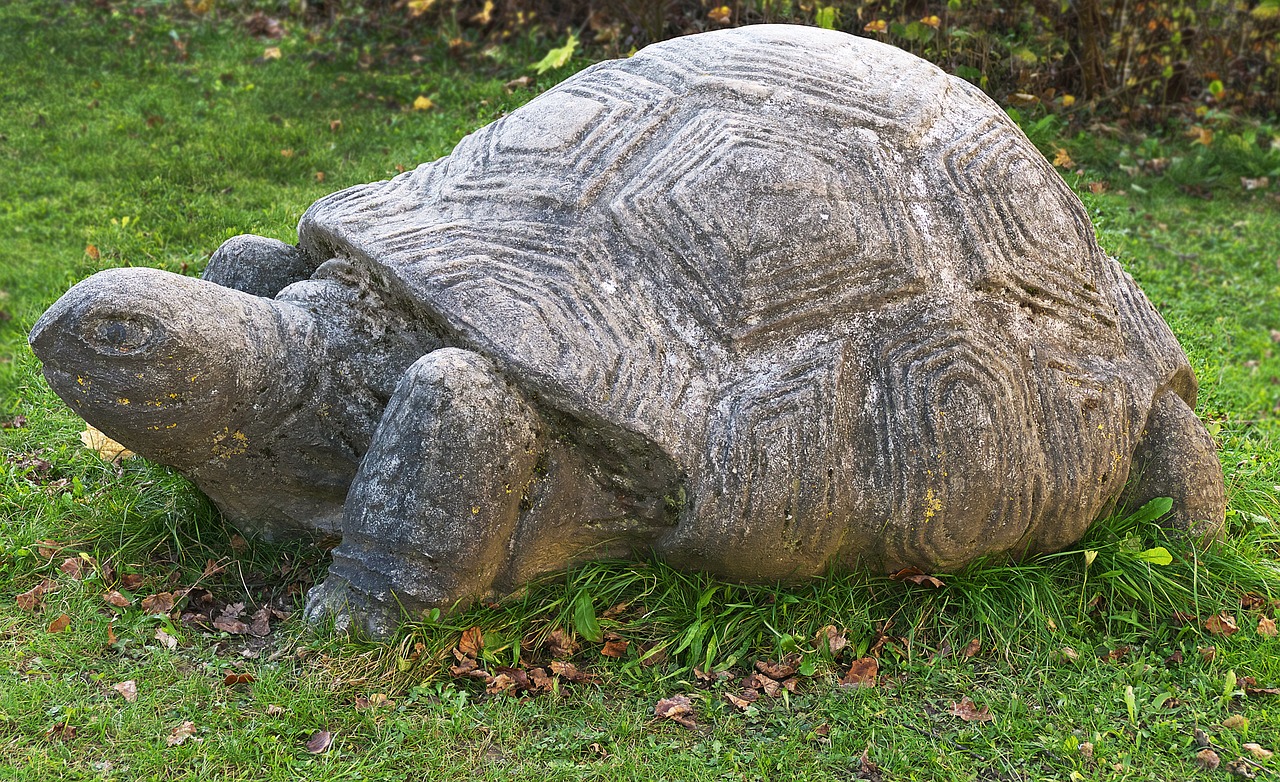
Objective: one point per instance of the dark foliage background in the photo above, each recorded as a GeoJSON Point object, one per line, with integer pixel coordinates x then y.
{"type": "Point", "coordinates": [1139, 63]}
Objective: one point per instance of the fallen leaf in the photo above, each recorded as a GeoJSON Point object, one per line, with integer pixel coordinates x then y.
{"type": "Point", "coordinates": [1221, 624]}
{"type": "Point", "coordinates": [271, 53]}
{"type": "Point", "coordinates": [1266, 627]}
{"type": "Point", "coordinates": [677, 708]}
{"type": "Point", "coordinates": [540, 681]}
{"type": "Point", "coordinates": [1257, 750]}
{"type": "Point", "coordinates": [422, 103]}
{"type": "Point", "coordinates": [1208, 653]}
{"type": "Point", "coordinates": [275, 710]}
{"type": "Point", "coordinates": [1207, 759]}
{"type": "Point", "coordinates": [913, 575]}
{"type": "Point", "coordinates": [158, 604]}
{"type": "Point", "coordinates": [74, 567]}
{"type": "Point", "coordinates": [107, 449]}
{"type": "Point", "coordinates": [92, 251]}
{"type": "Point", "coordinates": [17, 422]}
{"type": "Point", "coordinates": [180, 734]}
{"type": "Point", "coordinates": [570, 673]}
{"type": "Point", "coordinates": [1236, 722]}
{"type": "Point", "coordinates": [166, 640]}
{"type": "Point", "coordinates": [1262, 691]}
{"type": "Point", "coordinates": [721, 14]}
{"type": "Point", "coordinates": [615, 647]}
{"type": "Point", "coordinates": [131, 581]}
{"type": "Point", "coordinates": [557, 57]}
{"type": "Point", "coordinates": [1252, 601]}
{"type": "Point", "coordinates": [500, 684]}
{"type": "Point", "coordinates": [1116, 654]}
{"type": "Point", "coordinates": [779, 671]}
{"type": "Point", "coordinates": [740, 702]}
{"type": "Point", "coordinates": [862, 673]}
{"type": "Point", "coordinates": [968, 711]}
{"type": "Point", "coordinates": [33, 597]}
{"type": "Point", "coordinates": [319, 742]}
{"type": "Point", "coordinates": [1260, 183]}
{"type": "Point", "coordinates": [972, 648]}
{"type": "Point", "coordinates": [228, 621]}
{"type": "Point", "coordinates": [1173, 659]}
{"type": "Point", "coordinates": [61, 732]}
{"type": "Point", "coordinates": [472, 642]}
{"type": "Point", "coordinates": [1098, 188]}
{"type": "Point", "coordinates": [233, 679]}
{"type": "Point", "coordinates": [260, 624]}
{"type": "Point", "coordinates": [116, 599]}
{"type": "Point", "coordinates": [127, 689]}
{"type": "Point", "coordinates": [111, 635]}
{"type": "Point", "coordinates": [1062, 159]}
{"type": "Point", "coordinates": [517, 84]}
{"type": "Point", "coordinates": [262, 25]}
{"type": "Point", "coordinates": [560, 643]}
{"type": "Point", "coordinates": [877, 26]}
{"type": "Point", "coordinates": [1240, 767]}
{"type": "Point", "coordinates": [834, 640]}
{"type": "Point", "coordinates": [60, 624]}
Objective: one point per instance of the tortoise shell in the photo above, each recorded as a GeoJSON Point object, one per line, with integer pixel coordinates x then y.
{"type": "Point", "coordinates": [837, 288]}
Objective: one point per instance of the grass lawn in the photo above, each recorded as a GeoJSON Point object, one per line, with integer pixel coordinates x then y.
{"type": "Point", "coordinates": [131, 139]}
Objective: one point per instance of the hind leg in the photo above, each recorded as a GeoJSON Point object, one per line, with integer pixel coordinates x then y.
{"type": "Point", "coordinates": [435, 503]}
{"type": "Point", "coordinates": [1176, 458]}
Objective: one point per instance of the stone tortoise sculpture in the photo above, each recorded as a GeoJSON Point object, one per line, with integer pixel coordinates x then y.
{"type": "Point", "coordinates": [760, 301]}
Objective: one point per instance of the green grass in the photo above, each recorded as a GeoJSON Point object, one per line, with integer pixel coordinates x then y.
{"type": "Point", "coordinates": [102, 118]}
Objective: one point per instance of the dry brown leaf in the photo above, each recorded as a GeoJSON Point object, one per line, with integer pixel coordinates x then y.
{"type": "Point", "coordinates": [862, 673]}
{"type": "Point", "coordinates": [74, 567]}
{"type": "Point", "coordinates": [833, 639]}
{"type": "Point", "coordinates": [228, 621]}
{"type": "Point", "coordinates": [111, 635]}
{"type": "Point", "coordinates": [677, 708]}
{"type": "Point", "coordinates": [742, 703]}
{"type": "Point", "coordinates": [180, 734]}
{"type": "Point", "coordinates": [131, 581]}
{"type": "Point", "coordinates": [914, 575]}
{"type": "Point", "coordinates": [972, 648]}
{"type": "Point", "coordinates": [1116, 654]}
{"type": "Point", "coordinates": [1236, 722]}
{"type": "Point", "coordinates": [233, 679]}
{"type": "Point", "coordinates": [1207, 759]}
{"type": "Point", "coordinates": [107, 449]}
{"type": "Point", "coordinates": [1266, 627]}
{"type": "Point", "coordinates": [61, 732]}
{"type": "Point", "coordinates": [615, 647]}
{"type": "Point", "coordinates": [500, 684]}
{"type": "Point", "coordinates": [560, 643]}
{"type": "Point", "coordinates": [33, 597]}
{"type": "Point", "coordinates": [539, 681]}
{"type": "Point", "coordinates": [1208, 653]}
{"type": "Point", "coordinates": [968, 711]}
{"type": "Point", "coordinates": [60, 624]}
{"type": "Point", "coordinates": [116, 599]}
{"type": "Point", "coordinates": [166, 640]}
{"type": "Point", "coordinates": [320, 741]}
{"type": "Point", "coordinates": [472, 642]}
{"type": "Point", "coordinates": [274, 710]}
{"type": "Point", "coordinates": [1062, 159]}
{"type": "Point", "coordinates": [260, 624]}
{"type": "Point", "coordinates": [1221, 624]}
{"type": "Point", "coordinates": [782, 670]}
{"type": "Point", "coordinates": [129, 690]}
{"type": "Point", "coordinates": [157, 604]}
{"type": "Point", "coordinates": [570, 673]}
{"type": "Point", "coordinates": [1257, 750]}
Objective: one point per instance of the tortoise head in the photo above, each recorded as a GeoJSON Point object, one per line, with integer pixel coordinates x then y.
{"type": "Point", "coordinates": [174, 367]}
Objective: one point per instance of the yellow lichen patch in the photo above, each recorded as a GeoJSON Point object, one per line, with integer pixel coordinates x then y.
{"type": "Point", "coordinates": [122, 400]}
{"type": "Point", "coordinates": [931, 504]}
{"type": "Point", "coordinates": [236, 443]}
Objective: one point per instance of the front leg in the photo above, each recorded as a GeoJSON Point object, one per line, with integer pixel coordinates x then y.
{"type": "Point", "coordinates": [433, 508]}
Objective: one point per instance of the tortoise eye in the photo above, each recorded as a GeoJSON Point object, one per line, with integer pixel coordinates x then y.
{"type": "Point", "coordinates": [122, 334]}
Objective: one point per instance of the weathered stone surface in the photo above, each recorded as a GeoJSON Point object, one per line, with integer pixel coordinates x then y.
{"type": "Point", "coordinates": [758, 300]}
